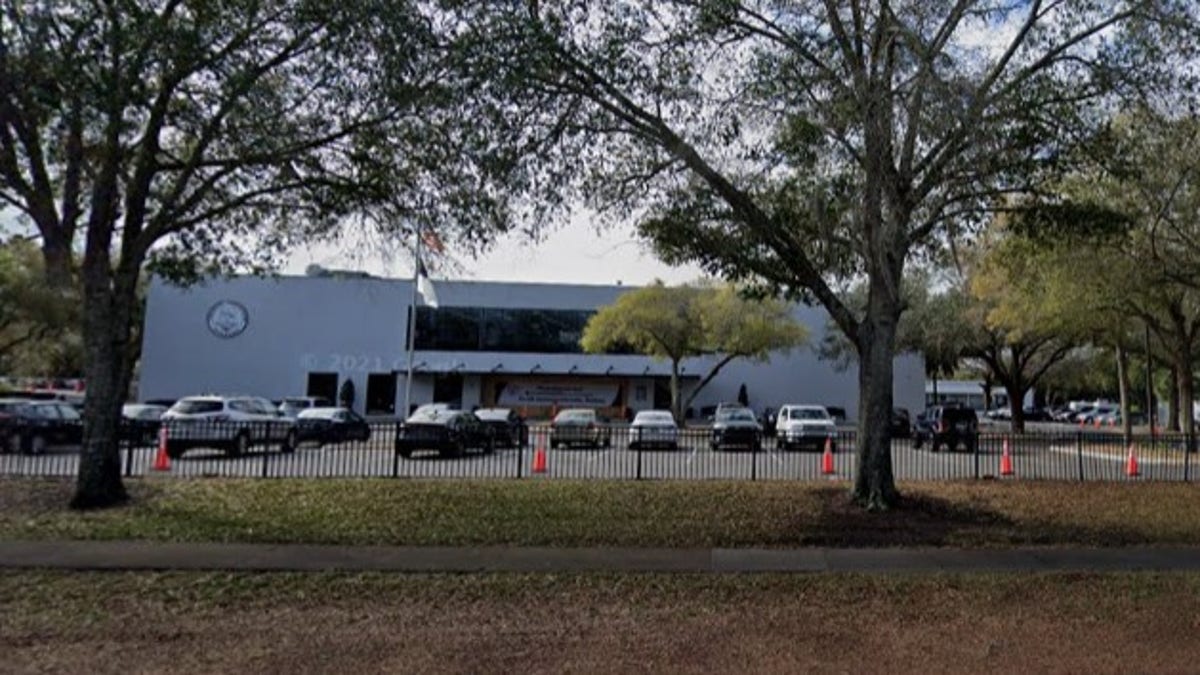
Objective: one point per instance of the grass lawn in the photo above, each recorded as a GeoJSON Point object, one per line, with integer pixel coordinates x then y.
{"type": "Point", "coordinates": [598, 513]}
{"type": "Point", "coordinates": [190, 622]}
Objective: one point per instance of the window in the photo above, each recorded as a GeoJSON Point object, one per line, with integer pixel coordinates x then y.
{"type": "Point", "coordinates": [323, 385]}
{"type": "Point", "coordinates": [546, 331]}
{"type": "Point", "coordinates": [381, 393]}
{"type": "Point", "coordinates": [197, 407]}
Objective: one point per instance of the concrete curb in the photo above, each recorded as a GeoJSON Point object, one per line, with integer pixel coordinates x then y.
{"type": "Point", "coordinates": [141, 555]}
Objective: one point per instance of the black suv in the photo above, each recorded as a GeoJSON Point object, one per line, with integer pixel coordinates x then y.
{"type": "Point", "coordinates": [34, 427]}
{"type": "Point", "coordinates": [949, 426]}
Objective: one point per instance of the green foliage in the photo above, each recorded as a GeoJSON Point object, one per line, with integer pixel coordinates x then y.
{"type": "Point", "coordinates": [678, 322]}
{"type": "Point", "coordinates": [39, 323]}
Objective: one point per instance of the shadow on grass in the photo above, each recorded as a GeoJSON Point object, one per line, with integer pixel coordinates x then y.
{"type": "Point", "coordinates": [928, 521]}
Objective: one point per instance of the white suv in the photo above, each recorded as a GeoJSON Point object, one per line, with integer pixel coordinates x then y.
{"type": "Point", "coordinates": [292, 406]}
{"type": "Point", "coordinates": [804, 425]}
{"type": "Point", "coordinates": [230, 423]}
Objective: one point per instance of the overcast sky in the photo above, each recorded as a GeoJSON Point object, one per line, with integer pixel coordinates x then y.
{"type": "Point", "coordinates": [573, 253]}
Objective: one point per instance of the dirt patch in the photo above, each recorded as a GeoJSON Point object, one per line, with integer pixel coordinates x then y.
{"type": "Point", "coordinates": [918, 520]}
{"type": "Point", "coordinates": [625, 623]}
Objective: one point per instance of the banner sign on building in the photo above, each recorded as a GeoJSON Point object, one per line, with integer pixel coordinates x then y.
{"type": "Point", "coordinates": [589, 395]}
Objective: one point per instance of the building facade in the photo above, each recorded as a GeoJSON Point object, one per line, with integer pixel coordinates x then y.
{"type": "Point", "coordinates": [486, 344]}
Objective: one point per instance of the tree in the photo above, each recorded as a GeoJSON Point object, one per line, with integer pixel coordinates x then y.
{"type": "Point", "coordinates": [793, 145]}
{"type": "Point", "coordinates": [346, 394]}
{"type": "Point", "coordinates": [1128, 211]}
{"type": "Point", "coordinates": [680, 322]}
{"type": "Point", "coordinates": [196, 138]}
{"type": "Point", "coordinates": [743, 396]}
{"type": "Point", "coordinates": [39, 323]}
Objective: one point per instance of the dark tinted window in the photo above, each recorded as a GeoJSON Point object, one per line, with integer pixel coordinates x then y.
{"type": "Point", "coordinates": [196, 407]}
{"type": "Point", "coordinates": [553, 331]}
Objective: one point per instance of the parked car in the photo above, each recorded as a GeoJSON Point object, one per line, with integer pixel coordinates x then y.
{"type": "Point", "coordinates": [1036, 414]}
{"type": "Point", "coordinates": [293, 405]}
{"type": "Point", "coordinates": [768, 420]}
{"type": "Point", "coordinates": [579, 427]}
{"type": "Point", "coordinates": [234, 424]}
{"type": "Point", "coordinates": [654, 429]}
{"type": "Point", "coordinates": [901, 426]}
{"type": "Point", "coordinates": [736, 428]}
{"type": "Point", "coordinates": [802, 426]}
{"type": "Point", "coordinates": [949, 427]}
{"type": "Point", "coordinates": [35, 427]}
{"type": "Point", "coordinates": [506, 428]}
{"type": "Point", "coordinates": [141, 422]}
{"type": "Point", "coordinates": [450, 433]}
{"type": "Point", "coordinates": [328, 425]}
{"type": "Point", "coordinates": [1097, 412]}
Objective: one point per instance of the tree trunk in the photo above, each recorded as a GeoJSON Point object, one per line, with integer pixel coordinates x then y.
{"type": "Point", "coordinates": [1016, 404]}
{"type": "Point", "coordinates": [1173, 401]}
{"type": "Point", "coordinates": [107, 312]}
{"type": "Point", "coordinates": [675, 401]}
{"type": "Point", "coordinates": [935, 391]}
{"type": "Point", "coordinates": [1123, 391]}
{"type": "Point", "coordinates": [875, 483]}
{"type": "Point", "coordinates": [987, 394]}
{"type": "Point", "coordinates": [56, 257]}
{"type": "Point", "coordinates": [1186, 395]}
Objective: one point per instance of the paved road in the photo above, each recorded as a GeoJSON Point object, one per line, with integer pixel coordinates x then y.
{"type": "Point", "coordinates": [1065, 457]}
{"type": "Point", "coordinates": [138, 555]}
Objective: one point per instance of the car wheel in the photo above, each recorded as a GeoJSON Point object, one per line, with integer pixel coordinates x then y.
{"type": "Point", "coordinates": [289, 442]}
{"type": "Point", "coordinates": [240, 445]}
{"type": "Point", "coordinates": [457, 450]}
{"type": "Point", "coordinates": [37, 445]}
{"type": "Point", "coordinates": [406, 454]}
{"type": "Point", "coordinates": [174, 451]}
{"type": "Point", "coordinates": [13, 444]}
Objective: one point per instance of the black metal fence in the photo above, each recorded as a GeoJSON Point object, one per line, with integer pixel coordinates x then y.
{"type": "Point", "coordinates": [1066, 455]}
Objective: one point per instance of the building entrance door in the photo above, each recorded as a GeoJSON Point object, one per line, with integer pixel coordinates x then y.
{"type": "Point", "coordinates": [381, 394]}
{"type": "Point", "coordinates": [448, 388]}
{"type": "Point", "coordinates": [323, 385]}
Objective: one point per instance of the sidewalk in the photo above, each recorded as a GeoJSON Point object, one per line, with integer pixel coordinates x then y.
{"type": "Point", "coordinates": [139, 555]}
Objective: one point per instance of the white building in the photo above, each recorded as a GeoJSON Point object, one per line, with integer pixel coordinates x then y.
{"type": "Point", "coordinates": [487, 343]}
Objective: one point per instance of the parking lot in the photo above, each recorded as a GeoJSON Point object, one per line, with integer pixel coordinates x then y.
{"type": "Point", "coordinates": [1043, 455]}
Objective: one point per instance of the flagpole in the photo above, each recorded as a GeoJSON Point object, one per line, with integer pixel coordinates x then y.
{"type": "Point", "coordinates": [412, 325]}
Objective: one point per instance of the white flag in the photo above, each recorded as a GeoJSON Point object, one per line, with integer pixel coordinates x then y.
{"type": "Point", "coordinates": [425, 291]}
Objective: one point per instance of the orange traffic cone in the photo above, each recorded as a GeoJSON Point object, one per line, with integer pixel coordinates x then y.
{"type": "Point", "coordinates": [162, 461]}
{"type": "Point", "coordinates": [1096, 422]}
{"type": "Point", "coordinates": [1131, 464]}
{"type": "Point", "coordinates": [827, 458]}
{"type": "Point", "coordinates": [539, 459]}
{"type": "Point", "coordinates": [1006, 468]}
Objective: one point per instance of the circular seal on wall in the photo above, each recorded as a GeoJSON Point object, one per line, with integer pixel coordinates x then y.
{"type": "Point", "coordinates": [228, 319]}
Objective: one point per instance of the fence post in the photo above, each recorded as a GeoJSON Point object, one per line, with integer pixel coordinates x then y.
{"type": "Point", "coordinates": [1079, 453]}
{"type": "Point", "coordinates": [522, 442]}
{"type": "Point", "coordinates": [266, 451]}
{"type": "Point", "coordinates": [978, 440]}
{"type": "Point", "coordinates": [754, 461]}
{"type": "Point", "coordinates": [1187, 456]}
{"type": "Point", "coordinates": [129, 457]}
{"type": "Point", "coordinates": [639, 453]}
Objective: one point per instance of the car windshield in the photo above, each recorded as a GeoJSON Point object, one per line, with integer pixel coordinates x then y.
{"type": "Point", "coordinates": [320, 414]}
{"type": "Point", "coordinates": [431, 415]}
{"type": "Point", "coordinates": [493, 414]}
{"type": "Point", "coordinates": [655, 417]}
{"type": "Point", "coordinates": [740, 415]}
{"type": "Point", "coordinates": [809, 414]}
{"type": "Point", "coordinates": [575, 416]}
{"type": "Point", "coordinates": [194, 407]}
